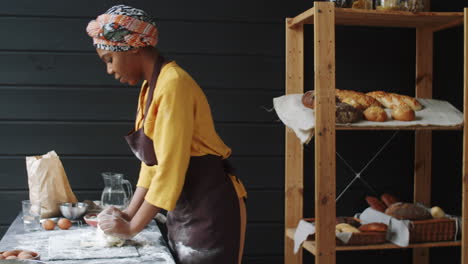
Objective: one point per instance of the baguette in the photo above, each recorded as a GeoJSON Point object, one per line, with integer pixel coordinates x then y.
{"type": "Point", "coordinates": [373, 227]}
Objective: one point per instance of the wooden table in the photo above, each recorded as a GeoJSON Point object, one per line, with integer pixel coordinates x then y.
{"type": "Point", "coordinates": [155, 251]}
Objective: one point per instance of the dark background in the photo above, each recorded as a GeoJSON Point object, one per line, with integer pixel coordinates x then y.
{"type": "Point", "coordinates": [55, 95]}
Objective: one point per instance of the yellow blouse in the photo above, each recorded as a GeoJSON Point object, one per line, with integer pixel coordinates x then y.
{"type": "Point", "coordinates": [180, 124]}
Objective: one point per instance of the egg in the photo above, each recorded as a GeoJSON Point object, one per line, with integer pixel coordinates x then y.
{"type": "Point", "coordinates": [11, 257]}
{"type": "Point", "coordinates": [64, 223]}
{"type": "Point", "coordinates": [48, 224]}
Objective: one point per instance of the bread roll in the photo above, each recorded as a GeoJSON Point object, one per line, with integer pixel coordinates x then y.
{"type": "Point", "coordinates": [308, 99]}
{"type": "Point", "coordinates": [375, 113]}
{"type": "Point", "coordinates": [376, 204]}
{"type": "Point", "coordinates": [373, 227]}
{"type": "Point", "coordinates": [403, 113]}
{"type": "Point", "coordinates": [408, 211]}
{"type": "Point", "coordinates": [358, 97]}
{"type": "Point", "coordinates": [388, 199]}
{"type": "Point", "coordinates": [437, 212]}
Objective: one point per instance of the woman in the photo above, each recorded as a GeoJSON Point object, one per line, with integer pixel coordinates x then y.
{"type": "Point", "coordinates": [184, 168]}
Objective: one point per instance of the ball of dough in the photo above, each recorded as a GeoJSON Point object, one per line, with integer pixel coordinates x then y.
{"type": "Point", "coordinates": [437, 212]}
{"type": "Point", "coordinates": [403, 113]}
{"type": "Point", "coordinates": [48, 224]}
{"type": "Point", "coordinates": [64, 223]}
{"type": "Point", "coordinates": [375, 113]}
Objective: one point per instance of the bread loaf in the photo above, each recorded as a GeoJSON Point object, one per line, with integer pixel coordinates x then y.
{"type": "Point", "coordinates": [345, 113]}
{"type": "Point", "coordinates": [376, 204]}
{"type": "Point", "coordinates": [346, 228]}
{"type": "Point", "coordinates": [373, 227]}
{"type": "Point", "coordinates": [348, 220]}
{"type": "Point", "coordinates": [358, 97]}
{"type": "Point", "coordinates": [388, 199]}
{"type": "Point", "coordinates": [403, 113]}
{"type": "Point", "coordinates": [393, 100]}
{"type": "Point", "coordinates": [308, 99]}
{"type": "Point", "coordinates": [375, 113]}
{"type": "Point", "coordinates": [408, 211]}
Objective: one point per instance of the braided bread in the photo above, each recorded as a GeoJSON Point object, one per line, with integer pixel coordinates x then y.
{"type": "Point", "coordinates": [356, 98]}
{"type": "Point", "coordinates": [393, 100]}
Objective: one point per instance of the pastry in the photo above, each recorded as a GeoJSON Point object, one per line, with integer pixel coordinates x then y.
{"type": "Point", "coordinates": [373, 227]}
{"type": "Point", "coordinates": [376, 204]}
{"type": "Point", "coordinates": [408, 211]}
{"type": "Point", "coordinates": [345, 113]}
{"type": "Point", "coordinates": [360, 98]}
{"type": "Point", "coordinates": [388, 199]}
{"type": "Point", "coordinates": [375, 113]}
{"type": "Point", "coordinates": [346, 228]}
{"type": "Point", "coordinates": [393, 100]}
{"type": "Point", "coordinates": [403, 113]}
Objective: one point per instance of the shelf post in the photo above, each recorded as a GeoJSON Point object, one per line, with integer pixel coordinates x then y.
{"type": "Point", "coordinates": [325, 140]}
{"type": "Point", "coordinates": [423, 139]}
{"type": "Point", "coordinates": [294, 167]}
{"type": "Point", "coordinates": [464, 246]}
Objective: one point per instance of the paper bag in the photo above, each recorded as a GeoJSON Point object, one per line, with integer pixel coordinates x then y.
{"type": "Point", "coordinates": [48, 183]}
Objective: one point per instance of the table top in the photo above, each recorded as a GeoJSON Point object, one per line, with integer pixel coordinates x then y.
{"type": "Point", "coordinates": [150, 244]}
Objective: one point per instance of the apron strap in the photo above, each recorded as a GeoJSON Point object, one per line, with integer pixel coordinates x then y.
{"type": "Point", "coordinates": [152, 85]}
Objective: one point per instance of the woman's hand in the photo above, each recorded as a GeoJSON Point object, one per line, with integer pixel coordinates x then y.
{"type": "Point", "coordinates": [111, 210]}
{"type": "Point", "coordinates": [114, 224]}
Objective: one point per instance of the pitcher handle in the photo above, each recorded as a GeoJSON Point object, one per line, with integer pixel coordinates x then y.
{"type": "Point", "coordinates": [129, 190]}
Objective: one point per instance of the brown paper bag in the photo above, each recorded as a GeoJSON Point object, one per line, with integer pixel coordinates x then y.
{"type": "Point", "coordinates": [48, 183]}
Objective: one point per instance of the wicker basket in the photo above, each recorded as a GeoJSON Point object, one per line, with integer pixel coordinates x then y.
{"type": "Point", "coordinates": [433, 230]}
{"type": "Point", "coordinates": [363, 238]}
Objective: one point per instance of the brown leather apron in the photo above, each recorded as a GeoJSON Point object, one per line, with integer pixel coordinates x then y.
{"type": "Point", "coordinates": [205, 227]}
{"type": "Point", "coordinates": [140, 144]}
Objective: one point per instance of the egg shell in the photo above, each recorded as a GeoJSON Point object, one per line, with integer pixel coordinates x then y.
{"type": "Point", "coordinates": [11, 257]}
{"type": "Point", "coordinates": [64, 223]}
{"type": "Point", "coordinates": [24, 253]}
{"type": "Point", "coordinates": [48, 224]}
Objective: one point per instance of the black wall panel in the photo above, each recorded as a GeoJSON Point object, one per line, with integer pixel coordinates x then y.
{"type": "Point", "coordinates": [55, 95]}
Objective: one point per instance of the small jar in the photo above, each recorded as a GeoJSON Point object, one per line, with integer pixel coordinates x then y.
{"type": "Point", "coordinates": [387, 5]}
{"type": "Point", "coordinates": [341, 3]}
{"type": "Point", "coordinates": [412, 5]}
{"type": "Point", "coordinates": [362, 4]}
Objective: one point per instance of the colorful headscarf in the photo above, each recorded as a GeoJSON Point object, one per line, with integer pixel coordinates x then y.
{"type": "Point", "coordinates": [123, 28]}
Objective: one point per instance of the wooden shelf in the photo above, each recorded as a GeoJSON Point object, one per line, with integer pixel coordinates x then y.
{"type": "Point", "coordinates": [359, 17]}
{"type": "Point", "coordinates": [310, 245]}
{"type": "Point", "coordinates": [419, 128]}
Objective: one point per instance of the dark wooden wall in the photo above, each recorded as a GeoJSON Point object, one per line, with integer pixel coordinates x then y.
{"type": "Point", "coordinates": [55, 95]}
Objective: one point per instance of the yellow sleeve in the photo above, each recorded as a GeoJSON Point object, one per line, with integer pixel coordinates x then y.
{"type": "Point", "coordinates": [173, 130]}
{"type": "Point", "coordinates": [146, 175]}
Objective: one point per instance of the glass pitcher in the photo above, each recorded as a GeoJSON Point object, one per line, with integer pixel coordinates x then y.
{"type": "Point", "coordinates": [114, 193]}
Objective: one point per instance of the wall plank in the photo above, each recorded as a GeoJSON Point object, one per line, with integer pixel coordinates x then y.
{"type": "Point", "coordinates": [176, 36]}
{"type": "Point", "coordinates": [26, 138]}
{"type": "Point", "coordinates": [211, 10]}
{"type": "Point", "coordinates": [84, 172]}
{"type": "Point", "coordinates": [211, 71]}
{"type": "Point", "coordinates": [119, 104]}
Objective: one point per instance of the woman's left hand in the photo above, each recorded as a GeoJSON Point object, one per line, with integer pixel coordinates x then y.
{"type": "Point", "coordinates": [115, 225]}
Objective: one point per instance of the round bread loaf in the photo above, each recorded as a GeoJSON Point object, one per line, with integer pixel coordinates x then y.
{"type": "Point", "coordinates": [346, 113]}
{"type": "Point", "coordinates": [308, 99]}
{"type": "Point", "coordinates": [408, 211]}
{"type": "Point", "coordinates": [403, 113]}
{"type": "Point", "coordinates": [375, 113]}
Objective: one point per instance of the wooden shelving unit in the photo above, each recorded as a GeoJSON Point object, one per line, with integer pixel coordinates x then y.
{"type": "Point", "coordinates": [325, 17]}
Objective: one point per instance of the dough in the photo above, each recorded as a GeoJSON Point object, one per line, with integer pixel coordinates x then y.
{"type": "Point", "coordinates": [100, 239]}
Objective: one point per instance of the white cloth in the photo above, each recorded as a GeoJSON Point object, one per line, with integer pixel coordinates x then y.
{"type": "Point", "coordinates": [398, 230]}
{"type": "Point", "coordinates": [301, 119]}
{"type": "Point", "coordinates": [295, 115]}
